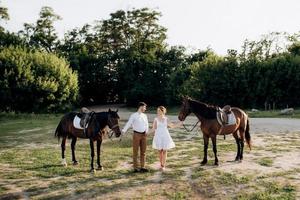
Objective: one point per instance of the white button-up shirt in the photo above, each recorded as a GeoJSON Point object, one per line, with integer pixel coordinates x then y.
{"type": "Point", "coordinates": [138, 121]}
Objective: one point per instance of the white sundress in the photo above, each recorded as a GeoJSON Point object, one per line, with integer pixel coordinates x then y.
{"type": "Point", "coordinates": [162, 138]}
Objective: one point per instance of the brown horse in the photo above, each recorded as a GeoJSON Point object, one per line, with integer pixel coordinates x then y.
{"type": "Point", "coordinates": [211, 128]}
{"type": "Point", "coordinates": [94, 132]}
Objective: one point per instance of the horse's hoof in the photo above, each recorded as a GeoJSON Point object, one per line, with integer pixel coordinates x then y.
{"type": "Point", "coordinates": [216, 164]}
{"type": "Point", "coordinates": [93, 171]}
{"type": "Point", "coordinates": [64, 163]}
{"type": "Point", "coordinates": [100, 168]}
{"type": "Point", "coordinates": [75, 163]}
{"type": "Point", "coordinates": [203, 163]}
{"type": "Point", "coordinates": [237, 159]}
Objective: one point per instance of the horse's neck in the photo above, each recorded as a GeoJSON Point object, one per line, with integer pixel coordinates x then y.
{"type": "Point", "coordinates": [200, 118]}
{"type": "Point", "coordinates": [202, 111]}
{"type": "Point", "coordinates": [195, 106]}
{"type": "Point", "coordinates": [102, 119]}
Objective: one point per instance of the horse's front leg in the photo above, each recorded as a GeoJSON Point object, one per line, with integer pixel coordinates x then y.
{"type": "Point", "coordinates": [92, 155]}
{"type": "Point", "coordinates": [214, 141]}
{"type": "Point", "coordinates": [73, 143]}
{"type": "Point", "coordinates": [63, 148]}
{"type": "Point", "coordinates": [99, 141]}
{"type": "Point", "coordinates": [206, 140]}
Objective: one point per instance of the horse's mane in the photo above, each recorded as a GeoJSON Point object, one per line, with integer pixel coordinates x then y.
{"type": "Point", "coordinates": [205, 110]}
{"type": "Point", "coordinates": [101, 118]}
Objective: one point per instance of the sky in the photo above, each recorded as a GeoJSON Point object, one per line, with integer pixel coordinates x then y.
{"type": "Point", "coordinates": [195, 24]}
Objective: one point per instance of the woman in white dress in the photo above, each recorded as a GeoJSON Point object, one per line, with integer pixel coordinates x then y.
{"type": "Point", "coordinates": [162, 140]}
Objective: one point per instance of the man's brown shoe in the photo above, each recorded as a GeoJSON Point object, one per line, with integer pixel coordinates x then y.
{"type": "Point", "coordinates": [143, 170]}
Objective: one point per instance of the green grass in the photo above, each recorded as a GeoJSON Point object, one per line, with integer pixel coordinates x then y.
{"type": "Point", "coordinates": [271, 191]}
{"type": "Point", "coordinates": [268, 162]}
{"type": "Point", "coordinates": [273, 114]}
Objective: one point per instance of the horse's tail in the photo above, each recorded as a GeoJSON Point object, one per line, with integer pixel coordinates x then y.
{"type": "Point", "coordinates": [59, 130]}
{"type": "Point", "coordinates": [247, 135]}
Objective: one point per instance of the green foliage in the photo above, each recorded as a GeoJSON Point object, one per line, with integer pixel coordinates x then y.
{"type": "Point", "coordinates": [120, 58]}
{"type": "Point", "coordinates": [253, 82]}
{"type": "Point", "coordinates": [3, 16]}
{"type": "Point", "coordinates": [11, 39]}
{"type": "Point", "coordinates": [42, 34]}
{"type": "Point", "coordinates": [34, 81]}
{"type": "Point", "coordinates": [125, 59]}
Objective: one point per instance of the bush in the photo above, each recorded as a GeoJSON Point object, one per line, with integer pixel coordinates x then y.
{"type": "Point", "coordinates": [33, 81]}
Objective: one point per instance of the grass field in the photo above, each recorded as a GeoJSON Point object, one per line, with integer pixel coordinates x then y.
{"type": "Point", "coordinates": [30, 166]}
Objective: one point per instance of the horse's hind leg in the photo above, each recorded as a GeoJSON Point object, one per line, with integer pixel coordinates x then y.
{"type": "Point", "coordinates": [242, 139]}
{"type": "Point", "coordinates": [99, 141]}
{"type": "Point", "coordinates": [206, 140]}
{"type": "Point", "coordinates": [214, 141]}
{"type": "Point", "coordinates": [92, 155]}
{"type": "Point", "coordinates": [73, 143]}
{"type": "Point", "coordinates": [237, 140]}
{"type": "Point", "coordinates": [63, 148]}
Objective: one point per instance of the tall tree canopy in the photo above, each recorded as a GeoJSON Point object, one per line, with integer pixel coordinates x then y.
{"type": "Point", "coordinates": [125, 58]}
{"type": "Point", "coordinates": [42, 34]}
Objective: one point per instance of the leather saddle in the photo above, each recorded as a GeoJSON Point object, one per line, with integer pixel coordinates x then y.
{"type": "Point", "coordinates": [85, 117]}
{"type": "Point", "coordinates": [222, 115]}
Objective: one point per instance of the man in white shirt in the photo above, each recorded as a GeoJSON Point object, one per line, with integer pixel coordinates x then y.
{"type": "Point", "coordinates": [139, 123]}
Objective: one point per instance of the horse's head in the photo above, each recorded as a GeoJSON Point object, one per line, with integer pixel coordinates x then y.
{"type": "Point", "coordinates": [185, 109]}
{"type": "Point", "coordinates": [113, 122]}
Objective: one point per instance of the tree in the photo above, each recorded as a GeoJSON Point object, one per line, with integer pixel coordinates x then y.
{"type": "Point", "coordinates": [35, 81]}
{"type": "Point", "coordinates": [4, 16]}
{"type": "Point", "coordinates": [42, 34]}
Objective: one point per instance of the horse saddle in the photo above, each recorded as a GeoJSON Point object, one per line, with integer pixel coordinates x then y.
{"type": "Point", "coordinates": [82, 119]}
{"type": "Point", "coordinates": [225, 117]}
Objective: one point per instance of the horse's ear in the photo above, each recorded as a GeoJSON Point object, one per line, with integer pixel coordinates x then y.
{"type": "Point", "coordinates": [109, 110]}
{"type": "Point", "coordinates": [182, 97]}
{"type": "Point", "coordinates": [185, 97]}
{"type": "Point", "coordinates": [117, 110]}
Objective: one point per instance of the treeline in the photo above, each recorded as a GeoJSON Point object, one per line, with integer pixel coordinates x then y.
{"type": "Point", "coordinates": [125, 59]}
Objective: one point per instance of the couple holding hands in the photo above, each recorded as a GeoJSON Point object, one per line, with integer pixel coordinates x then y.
{"type": "Point", "coordinates": [162, 140]}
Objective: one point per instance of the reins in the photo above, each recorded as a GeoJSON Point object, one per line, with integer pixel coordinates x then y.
{"type": "Point", "coordinates": [110, 134]}
{"type": "Point", "coordinates": [192, 128]}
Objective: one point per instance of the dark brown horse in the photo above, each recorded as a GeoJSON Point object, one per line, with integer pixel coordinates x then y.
{"type": "Point", "coordinates": [211, 128]}
{"type": "Point", "coordinates": [94, 132]}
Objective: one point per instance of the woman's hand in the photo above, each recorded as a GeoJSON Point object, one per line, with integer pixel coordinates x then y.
{"type": "Point", "coordinates": [175, 125]}
{"type": "Point", "coordinates": [151, 131]}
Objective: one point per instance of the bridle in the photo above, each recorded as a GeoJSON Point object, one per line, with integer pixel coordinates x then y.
{"type": "Point", "coordinates": [184, 108]}
{"type": "Point", "coordinates": [111, 131]}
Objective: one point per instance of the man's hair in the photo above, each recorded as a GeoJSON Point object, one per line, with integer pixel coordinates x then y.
{"type": "Point", "coordinates": [141, 104]}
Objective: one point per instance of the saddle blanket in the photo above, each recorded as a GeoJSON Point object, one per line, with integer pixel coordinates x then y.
{"type": "Point", "coordinates": [76, 123]}
{"type": "Point", "coordinates": [231, 119]}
